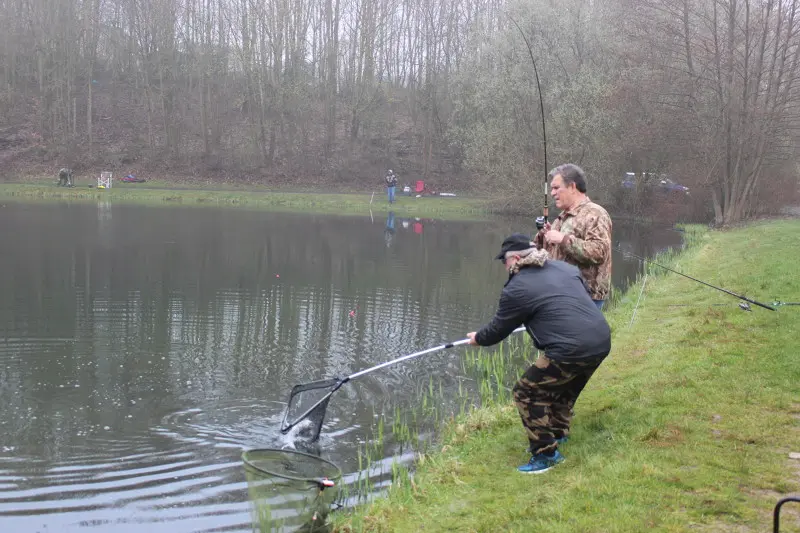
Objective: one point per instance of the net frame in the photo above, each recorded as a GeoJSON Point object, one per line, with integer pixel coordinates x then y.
{"type": "Point", "coordinates": [319, 480]}
{"type": "Point", "coordinates": [315, 413]}
{"type": "Point", "coordinates": [296, 495]}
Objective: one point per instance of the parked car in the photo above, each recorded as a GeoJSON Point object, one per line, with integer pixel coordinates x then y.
{"type": "Point", "coordinates": [669, 185]}
{"type": "Point", "coordinates": [651, 180]}
{"type": "Point", "coordinates": [630, 180]}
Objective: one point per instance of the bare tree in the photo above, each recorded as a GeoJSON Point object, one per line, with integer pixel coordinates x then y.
{"type": "Point", "coordinates": [727, 73]}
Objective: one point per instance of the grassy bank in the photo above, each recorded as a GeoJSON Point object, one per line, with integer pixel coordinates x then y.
{"type": "Point", "coordinates": [158, 193]}
{"type": "Point", "coordinates": [687, 426]}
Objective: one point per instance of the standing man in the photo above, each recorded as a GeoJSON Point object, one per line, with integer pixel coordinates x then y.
{"type": "Point", "coordinates": [581, 234]}
{"type": "Point", "coordinates": [391, 184]}
{"type": "Point", "coordinates": [551, 299]}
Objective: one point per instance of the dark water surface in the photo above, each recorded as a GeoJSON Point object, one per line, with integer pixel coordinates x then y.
{"type": "Point", "coordinates": [143, 349]}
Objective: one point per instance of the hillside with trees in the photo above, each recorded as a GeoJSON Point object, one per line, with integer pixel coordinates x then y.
{"type": "Point", "coordinates": [328, 94]}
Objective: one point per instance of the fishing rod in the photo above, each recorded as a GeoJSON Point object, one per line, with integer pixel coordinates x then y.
{"type": "Point", "coordinates": [773, 304]}
{"type": "Point", "coordinates": [765, 306]}
{"type": "Point", "coordinates": [542, 220]}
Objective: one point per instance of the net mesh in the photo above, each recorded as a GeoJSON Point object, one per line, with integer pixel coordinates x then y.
{"type": "Point", "coordinates": [290, 490]}
{"type": "Point", "coordinates": [306, 408]}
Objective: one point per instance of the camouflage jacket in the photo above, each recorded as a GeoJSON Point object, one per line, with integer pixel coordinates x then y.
{"type": "Point", "coordinates": [587, 244]}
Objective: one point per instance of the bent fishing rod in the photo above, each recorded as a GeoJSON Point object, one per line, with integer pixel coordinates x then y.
{"type": "Point", "coordinates": [542, 220]}
{"type": "Point", "coordinates": [746, 299]}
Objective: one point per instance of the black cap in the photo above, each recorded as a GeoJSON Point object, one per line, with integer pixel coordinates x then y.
{"type": "Point", "coordinates": [514, 242]}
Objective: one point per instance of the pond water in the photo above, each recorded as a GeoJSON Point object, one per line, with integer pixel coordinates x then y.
{"type": "Point", "coordinates": [142, 349]}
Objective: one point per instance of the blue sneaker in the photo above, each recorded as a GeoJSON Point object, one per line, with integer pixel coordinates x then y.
{"type": "Point", "coordinates": [541, 463]}
{"type": "Point", "coordinates": [562, 440]}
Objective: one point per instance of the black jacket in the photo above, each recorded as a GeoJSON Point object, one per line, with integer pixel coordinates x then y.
{"type": "Point", "coordinates": [553, 303]}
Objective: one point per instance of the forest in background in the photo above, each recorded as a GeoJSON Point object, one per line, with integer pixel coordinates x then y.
{"type": "Point", "coordinates": [328, 94]}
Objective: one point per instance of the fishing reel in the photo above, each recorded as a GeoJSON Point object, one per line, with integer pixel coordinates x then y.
{"type": "Point", "coordinates": [540, 222]}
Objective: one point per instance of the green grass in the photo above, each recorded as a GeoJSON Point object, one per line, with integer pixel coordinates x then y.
{"type": "Point", "coordinates": [687, 426]}
{"type": "Point", "coordinates": [160, 193]}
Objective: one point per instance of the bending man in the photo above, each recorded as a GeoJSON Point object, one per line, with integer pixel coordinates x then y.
{"type": "Point", "coordinates": [551, 299]}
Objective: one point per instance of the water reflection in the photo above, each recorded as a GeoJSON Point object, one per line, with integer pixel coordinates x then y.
{"type": "Point", "coordinates": [388, 233]}
{"type": "Point", "coordinates": [144, 348]}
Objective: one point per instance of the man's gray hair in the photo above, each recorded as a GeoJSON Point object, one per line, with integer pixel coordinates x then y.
{"type": "Point", "coordinates": [570, 174]}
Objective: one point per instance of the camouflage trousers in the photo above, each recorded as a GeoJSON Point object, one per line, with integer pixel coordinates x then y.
{"type": "Point", "coordinates": [545, 396]}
